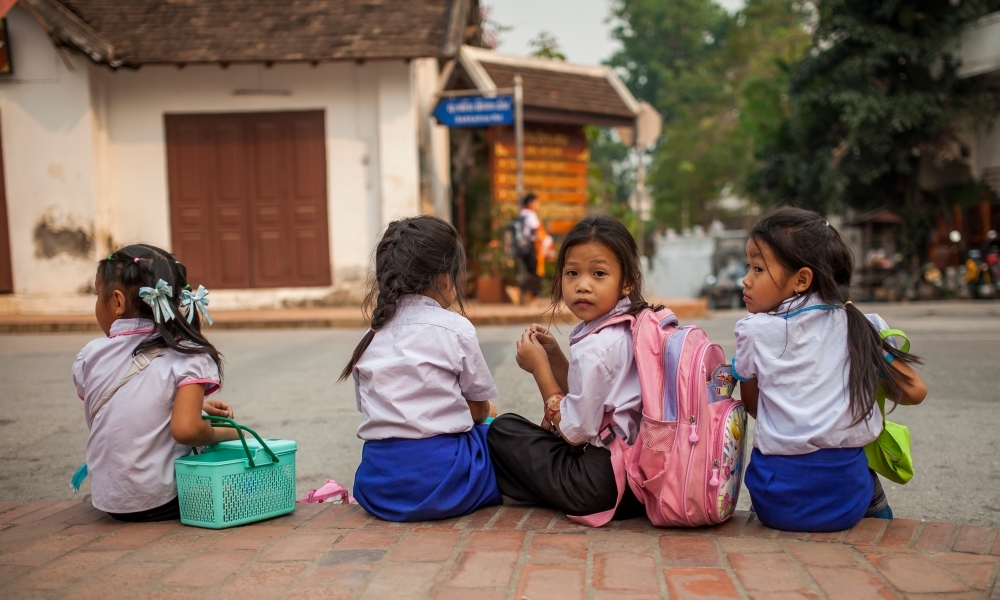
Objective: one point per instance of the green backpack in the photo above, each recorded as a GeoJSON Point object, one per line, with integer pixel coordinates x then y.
{"type": "Point", "coordinates": [889, 455]}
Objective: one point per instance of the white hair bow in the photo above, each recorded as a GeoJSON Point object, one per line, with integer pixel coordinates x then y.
{"type": "Point", "coordinates": [157, 299]}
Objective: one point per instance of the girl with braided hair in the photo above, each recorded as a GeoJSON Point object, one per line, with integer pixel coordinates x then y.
{"type": "Point", "coordinates": [421, 382]}
{"type": "Point", "coordinates": [144, 385]}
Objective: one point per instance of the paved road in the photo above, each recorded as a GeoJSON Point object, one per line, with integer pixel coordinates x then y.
{"type": "Point", "coordinates": [283, 383]}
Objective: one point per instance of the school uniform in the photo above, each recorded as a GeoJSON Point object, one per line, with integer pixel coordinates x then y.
{"type": "Point", "coordinates": [808, 470]}
{"type": "Point", "coordinates": [423, 457]}
{"type": "Point", "coordinates": [130, 452]}
{"type": "Point", "coordinates": [534, 466]}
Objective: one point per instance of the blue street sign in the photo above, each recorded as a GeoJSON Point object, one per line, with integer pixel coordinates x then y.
{"type": "Point", "coordinates": [475, 111]}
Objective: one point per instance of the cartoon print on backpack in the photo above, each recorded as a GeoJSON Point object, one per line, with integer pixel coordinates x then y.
{"type": "Point", "coordinates": [731, 468]}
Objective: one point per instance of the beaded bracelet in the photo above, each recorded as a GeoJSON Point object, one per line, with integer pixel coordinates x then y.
{"type": "Point", "coordinates": [552, 407]}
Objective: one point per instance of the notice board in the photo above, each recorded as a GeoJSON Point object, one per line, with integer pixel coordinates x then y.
{"type": "Point", "coordinates": [555, 169]}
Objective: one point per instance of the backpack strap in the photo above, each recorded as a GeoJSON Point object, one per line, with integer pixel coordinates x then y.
{"type": "Point", "coordinates": [139, 362]}
{"type": "Point", "coordinates": [617, 448]}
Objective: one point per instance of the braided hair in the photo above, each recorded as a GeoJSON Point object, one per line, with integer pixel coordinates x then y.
{"type": "Point", "coordinates": [408, 260]}
{"type": "Point", "coordinates": [801, 238]}
{"type": "Point", "coordinates": [141, 265]}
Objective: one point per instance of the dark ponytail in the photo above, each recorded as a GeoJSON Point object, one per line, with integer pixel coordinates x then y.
{"type": "Point", "coordinates": [408, 259]}
{"type": "Point", "coordinates": [800, 238]}
{"type": "Point", "coordinates": [141, 265]}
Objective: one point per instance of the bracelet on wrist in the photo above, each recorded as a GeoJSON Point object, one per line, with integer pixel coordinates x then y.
{"type": "Point", "coordinates": [552, 407]}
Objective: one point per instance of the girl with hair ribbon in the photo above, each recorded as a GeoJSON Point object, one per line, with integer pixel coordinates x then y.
{"type": "Point", "coordinates": [144, 385]}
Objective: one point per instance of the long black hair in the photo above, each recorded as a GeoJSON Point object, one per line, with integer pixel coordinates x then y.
{"type": "Point", "coordinates": [141, 265]}
{"type": "Point", "coordinates": [408, 260]}
{"type": "Point", "coordinates": [800, 238]}
{"type": "Point", "coordinates": [616, 238]}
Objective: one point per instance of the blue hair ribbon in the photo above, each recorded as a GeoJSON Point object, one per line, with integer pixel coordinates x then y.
{"type": "Point", "coordinates": [157, 299]}
{"type": "Point", "coordinates": [78, 477]}
{"type": "Point", "coordinates": [198, 301]}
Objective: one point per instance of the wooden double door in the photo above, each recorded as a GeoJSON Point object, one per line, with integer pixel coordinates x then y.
{"type": "Point", "coordinates": [248, 203]}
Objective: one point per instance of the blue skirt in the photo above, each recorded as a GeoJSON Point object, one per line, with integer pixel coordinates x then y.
{"type": "Point", "coordinates": [827, 490]}
{"type": "Point", "coordinates": [438, 477]}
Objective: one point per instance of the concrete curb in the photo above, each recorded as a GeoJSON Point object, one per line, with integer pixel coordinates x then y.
{"type": "Point", "coordinates": [324, 318]}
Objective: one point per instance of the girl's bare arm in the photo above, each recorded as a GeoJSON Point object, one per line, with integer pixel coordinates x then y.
{"type": "Point", "coordinates": [186, 424]}
{"type": "Point", "coordinates": [914, 389]}
{"type": "Point", "coordinates": [749, 393]}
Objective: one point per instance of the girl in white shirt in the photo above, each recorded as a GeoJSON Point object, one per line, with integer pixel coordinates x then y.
{"type": "Point", "coordinates": [421, 382]}
{"type": "Point", "coordinates": [590, 398]}
{"type": "Point", "coordinates": [809, 365]}
{"type": "Point", "coordinates": [144, 303]}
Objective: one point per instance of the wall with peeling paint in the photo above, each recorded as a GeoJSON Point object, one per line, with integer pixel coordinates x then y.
{"type": "Point", "coordinates": [48, 163]}
{"type": "Point", "coordinates": [86, 159]}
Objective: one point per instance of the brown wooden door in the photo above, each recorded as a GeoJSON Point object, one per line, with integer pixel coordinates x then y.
{"type": "Point", "coordinates": [248, 198]}
{"type": "Point", "coordinates": [6, 273]}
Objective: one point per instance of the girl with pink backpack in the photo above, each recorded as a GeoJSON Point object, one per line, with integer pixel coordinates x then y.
{"type": "Point", "coordinates": [810, 365]}
{"type": "Point", "coordinates": [590, 398]}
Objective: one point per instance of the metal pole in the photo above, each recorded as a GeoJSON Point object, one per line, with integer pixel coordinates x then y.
{"type": "Point", "coordinates": [519, 133]}
{"type": "Point", "coordinates": [640, 202]}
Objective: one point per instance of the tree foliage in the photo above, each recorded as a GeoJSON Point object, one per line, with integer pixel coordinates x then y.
{"type": "Point", "coordinates": [717, 78]}
{"type": "Point", "coordinates": [878, 91]}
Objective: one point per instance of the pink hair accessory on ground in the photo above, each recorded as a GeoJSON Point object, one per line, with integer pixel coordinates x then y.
{"type": "Point", "coordinates": [331, 492]}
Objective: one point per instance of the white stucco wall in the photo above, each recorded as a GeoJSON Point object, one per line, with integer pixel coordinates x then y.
{"type": "Point", "coordinates": [48, 161]}
{"type": "Point", "coordinates": [371, 141]}
{"type": "Point", "coordinates": [87, 147]}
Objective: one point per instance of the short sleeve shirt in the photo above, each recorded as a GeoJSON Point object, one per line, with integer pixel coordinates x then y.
{"type": "Point", "coordinates": [531, 223]}
{"type": "Point", "coordinates": [130, 452]}
{"type": "Point", "coordinates": [603, 377]}
{"type": "Point", "coordinates": [413, 380]}
{"type": "Point", "coordinates": [798, 354]}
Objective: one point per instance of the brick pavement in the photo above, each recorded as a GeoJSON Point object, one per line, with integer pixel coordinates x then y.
{"type": "Point", "coordinates": [71, 550]}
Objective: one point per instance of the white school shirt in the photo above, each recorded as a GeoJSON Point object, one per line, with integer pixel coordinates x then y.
{"type": "Point", "coordinates": [801, 363]}
{"type": "Point", "coordinates": [603, 377]}
{"type": "Point", "coordinates": [130, 453]}
{"type": "Point", "coordinates": [414, 378]}
{"type": "Point", "coordinates": [531, 223]}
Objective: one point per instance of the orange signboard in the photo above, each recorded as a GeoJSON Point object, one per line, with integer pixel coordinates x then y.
{"type": "Point", "coordinates": [555, 170]}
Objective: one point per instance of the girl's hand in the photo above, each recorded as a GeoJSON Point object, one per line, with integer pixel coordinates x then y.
{"type": "Point", "coordinates": [530, 353]}
{"type": "Point", "coordinates": [547, 340]}
{"type": "Point", "coordinates": [218, 408]}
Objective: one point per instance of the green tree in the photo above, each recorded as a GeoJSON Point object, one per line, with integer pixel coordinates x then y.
{"type": "Point", "coordinates": [878, 91]}
{"type": "Point", "coordinates": [711, 75]}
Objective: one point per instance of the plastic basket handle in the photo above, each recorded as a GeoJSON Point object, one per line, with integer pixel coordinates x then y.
{"type": "Point", "coordinates": [224, 422]}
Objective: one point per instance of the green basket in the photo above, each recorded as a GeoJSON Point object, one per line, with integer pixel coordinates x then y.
{"type": "Point", "coordinates": [237, 482]}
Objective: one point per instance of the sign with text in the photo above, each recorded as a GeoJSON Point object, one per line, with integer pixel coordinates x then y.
{"type": "Point", "coordinates": [555, 169]}
{"type": "Point", "coordinates": [475, 111]}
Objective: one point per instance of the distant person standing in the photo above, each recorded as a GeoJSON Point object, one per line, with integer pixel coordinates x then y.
{"type": "Point", "coordinates": [534, 262]}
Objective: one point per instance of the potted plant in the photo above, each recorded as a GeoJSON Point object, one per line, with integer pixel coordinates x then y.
{"type": "Point", "coordinates": [495, 267]}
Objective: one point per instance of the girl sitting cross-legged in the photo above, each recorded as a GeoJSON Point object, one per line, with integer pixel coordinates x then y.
{"type": "Point", "coordinates": [421, 382]}
{"type": "Point", "coordinates": [563, 463]}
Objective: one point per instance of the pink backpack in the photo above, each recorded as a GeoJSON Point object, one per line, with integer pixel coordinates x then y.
{"type": "Point", "coordinates": [686, 463]}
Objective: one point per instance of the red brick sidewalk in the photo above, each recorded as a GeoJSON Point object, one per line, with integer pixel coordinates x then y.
{"type": "Point", "coordinates": [69, 549]}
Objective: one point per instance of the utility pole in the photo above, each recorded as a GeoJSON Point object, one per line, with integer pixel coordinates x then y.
{"type": "Point", "coordinates": [519, 133]}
